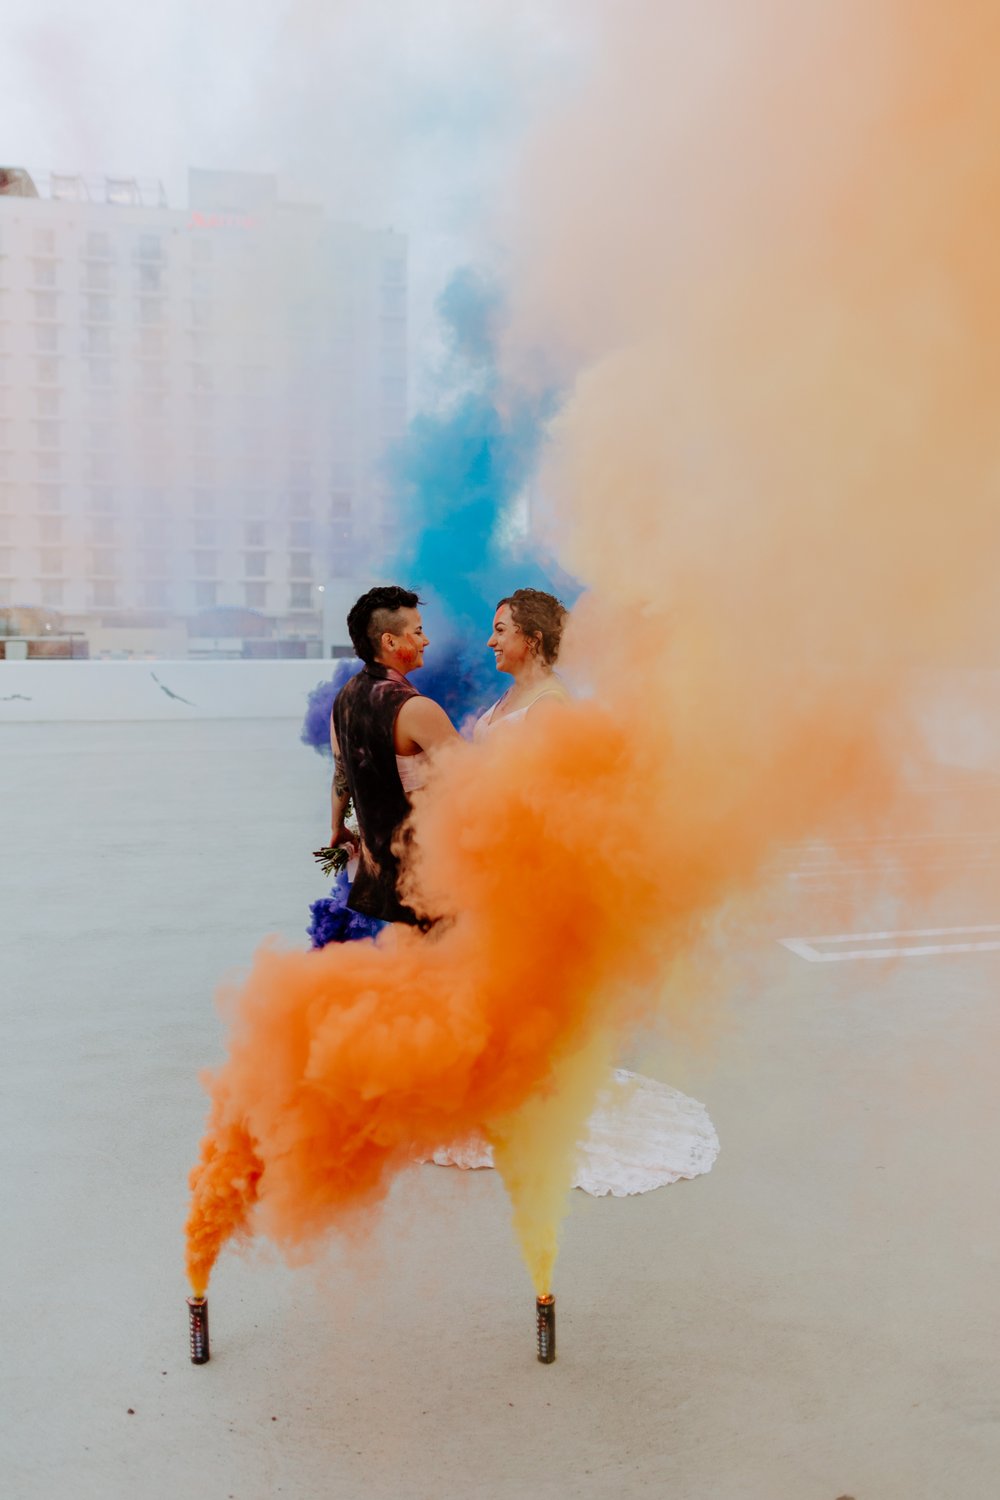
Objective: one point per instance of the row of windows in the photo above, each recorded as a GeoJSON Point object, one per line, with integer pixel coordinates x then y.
{"type": "Point", "coordinates": [97, 277]}
{"type": "Point", "coordinates": [98, 307]}
{"type": "Point", "coordinates": [149, 247]}
{"type": "Point", "coordinates": [105, 530]}
{"type": "Point", "coordinates": [157, 594]}
{"type": "Point", "coordinates": [100, 246]}
{"type": "Point", "coordinates": [152, 502]}
{"type": "Point", "coordinates": [104, 560]}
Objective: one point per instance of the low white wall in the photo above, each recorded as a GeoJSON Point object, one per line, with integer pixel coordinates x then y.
{"type": "Point", "coordinates": [118, 690]}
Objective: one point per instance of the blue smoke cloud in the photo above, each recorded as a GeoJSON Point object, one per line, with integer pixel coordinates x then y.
{"type": "Point", "coordinates": [459, 476]}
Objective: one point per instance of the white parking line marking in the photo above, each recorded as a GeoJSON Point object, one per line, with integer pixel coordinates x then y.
{"type": "Point", "coordinates": [804, 947]}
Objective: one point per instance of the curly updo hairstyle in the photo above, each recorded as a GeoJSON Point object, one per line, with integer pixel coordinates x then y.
{"type": "Point", "coordinates": [540, 617]}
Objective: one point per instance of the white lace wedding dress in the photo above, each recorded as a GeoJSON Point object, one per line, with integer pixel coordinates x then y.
{"type": "Point", "coordinates": [641, 1135]}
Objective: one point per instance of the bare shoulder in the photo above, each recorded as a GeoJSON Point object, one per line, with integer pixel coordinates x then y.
{"type": "Point", "coordinates": [554, 698]}
{"type": "Point", "coordinates": [422, 724]}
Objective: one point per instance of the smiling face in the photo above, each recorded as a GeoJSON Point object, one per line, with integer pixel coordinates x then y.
{"type": "Point", "coordinates": [508, 643]}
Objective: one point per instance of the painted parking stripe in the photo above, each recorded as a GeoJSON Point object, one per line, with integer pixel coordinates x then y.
{"type": "Point", "coordinates": [891, 947]}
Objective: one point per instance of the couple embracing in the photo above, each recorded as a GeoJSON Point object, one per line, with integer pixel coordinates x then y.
{"type": "Point", "coordinates": [382, 728]}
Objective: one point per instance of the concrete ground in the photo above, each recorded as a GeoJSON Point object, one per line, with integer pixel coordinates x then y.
{"type": "Point", "coordinates": [817, 1318]}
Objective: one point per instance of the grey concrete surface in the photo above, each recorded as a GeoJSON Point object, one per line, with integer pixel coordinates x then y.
{"type": "Point", "coordinates": [816, 1318]}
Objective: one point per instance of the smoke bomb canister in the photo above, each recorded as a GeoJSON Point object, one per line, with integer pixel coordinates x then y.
{"type": "Point", "coordinates": [198, 1329]}
{"type": "Point", "coordinates": [545, 1313]}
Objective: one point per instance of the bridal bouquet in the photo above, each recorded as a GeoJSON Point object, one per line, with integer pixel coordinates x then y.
{"type": "Point", "coordinates": [332, 859]}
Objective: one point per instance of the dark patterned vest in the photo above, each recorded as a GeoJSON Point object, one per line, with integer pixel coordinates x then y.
{"type": "Point", "coordinates": [364, 718]}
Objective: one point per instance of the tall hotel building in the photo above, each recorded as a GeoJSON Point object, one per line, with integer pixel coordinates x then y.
{"type": "Point", "coordinates": [195, 405]}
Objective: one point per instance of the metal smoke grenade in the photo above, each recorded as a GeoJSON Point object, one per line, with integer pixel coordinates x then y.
{"type": "Point", "coordinates": [545, 1316]}
{"type": "Point", "coordinates": [198, 1329]}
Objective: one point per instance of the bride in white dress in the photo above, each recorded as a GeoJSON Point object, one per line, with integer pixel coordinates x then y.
{"type": "Point", "coordinates": [642, 1134]}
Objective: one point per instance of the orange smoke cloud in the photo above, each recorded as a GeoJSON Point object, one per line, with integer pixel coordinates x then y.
{"type": "Point", "coordinates": [777, 474]}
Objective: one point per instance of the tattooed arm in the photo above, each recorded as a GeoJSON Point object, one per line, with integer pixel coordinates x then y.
{"type": "Point", "coordinates": [340, 797]}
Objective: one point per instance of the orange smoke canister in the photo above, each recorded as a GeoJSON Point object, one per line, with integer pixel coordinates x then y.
{"type": "Point", "coordinates": [198, 1330]}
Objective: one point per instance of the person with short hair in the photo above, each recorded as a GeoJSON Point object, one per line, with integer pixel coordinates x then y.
{"type": "Point", "coordinates": [381, 730]}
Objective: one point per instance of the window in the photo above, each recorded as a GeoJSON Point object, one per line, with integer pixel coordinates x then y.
{"type": "Point", "coordinates": [299, 503]}
{"type": "Point", "coordinates": [97, 278]}
{"type": "Point", "coordinates": [98, 468]}
{"type": "Point", "coordinates": [204, 503]}
{"type": "Point", "coordinates": [201, 250]}
{"type": "Point", "coordinates": [205, 595]}
{"type": "Point", "coordinates": [150, 310]}
{"type": "Point", "coordinates": [299, 470]}
{"type": "Point", "coordinates": [299, 533]}
{"type": "Point", "coordinates": [46, 338]}
{"type": "Point", "coordinates": [50, 530]}
{"type": "Point", "coordinates": [394, 389]}
{"type": "Point", "coordinates": [46, 371]}
{"type": "Point", "coordinates": [340, 506]}
{"type": "Point", "coordinates": [102, 497]}
{"type": "Point", "coordinates": [102, 561]}
{"type": "Point", "coordinates": [152, 439]}
{"type": "Point", "coordinates": [152, 405]}
{"type": "Point", "coordinates": [201, 284]}
{"type": "Point", "coordinates": [154, 594]}
{"type": "Point", "coordinates": [47, 403]}
{"type": "Point", "coordinates": [151, 376]}
{"type": "Point", "coordinates": [150, 343]}
{"type": "Point", "coordinates": [154, 564]}
{"type": "Point", "coordinates": [154, 503]}
{"type": "Point", "coordinates": [47, 434]}
{"type": "Point", "coordinates": [301, 596]}
{"type": "Point", "coordinates": [203, 440]}
{"type": "Point", "coordinates": [5, 560]}
{"type": "Point", "coordinates": [47, 464]}
{"type": "Point", "coordinates": [255, 565]}
{"type": "Point", "coordinates": [201, 377]}
{"type": "Point", "coordinates": [45, 306]}
{"type": "Point", "coordinates": [393, 332]}
{"type": "Point", "coordinates": [393, 271]}
{"type": "Point", "coordinates": [48, 496]}
{"type": "Point", "coordinates": [99, 373]}
{"type": "Point", "coordinates": [201, 312]}
{"type": "Point", "coordinates": [253, 534]}
{"type": "Point", "coordinates": [98, 310]}
{"type": "Point", "coordinates": [44, 272]}
{"type": "Point", "coordinates": [100, 434]}
{"type": "Point", "coordinates": [104, 594]}
{"type": "Point", "coordinates": [206, 563]}
{"type": "Point", "coordinates": [52, 560]}
{"type": "Point", "coordinates": [255, 595]}
{"type": "Point", "coordinates": [96, 341]}
{"type": "Point", "coordinates": [102, 530]}
{"type": "Point", "coordinates": [52, 593]}
{"type": "Point", "coordinates": [205, 534]}
{"type": "Point", "coordinates": [4, 528]}
{"type": "Point", "coordinates": [150, 278]}
{"type": "Point", "coordinates": [44, 242]}
{"type": "Point", "coordinates": [149, 247]}
{"type": "Point", "coordinates": [300, 565]}
{"type": "Point", "coordinates": [394, 300]}
{"type": "Point", "coordinates": [98, 246]}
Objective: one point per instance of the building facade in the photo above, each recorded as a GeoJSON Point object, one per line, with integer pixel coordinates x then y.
{"type": "Point", "coordinates": [195, 404]}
